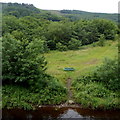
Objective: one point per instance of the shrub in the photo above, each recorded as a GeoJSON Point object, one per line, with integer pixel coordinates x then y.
{"type": "Point", "coordinates": [20, 97]}
{"type": "Point", "coordinates": [101, 40]}
{"type": "Point", "coordinates": [61, 47]}
{"type": "Point", "coordinates": [23, 61]}
{"type": "Point", "coordinates": [74, 44]}
{"type": "Point", "coordinates": [101, 88]}
{"type": "Point", "coordinates": [95, 95]}
{"type": "Point", "coordinates": [107, 74]}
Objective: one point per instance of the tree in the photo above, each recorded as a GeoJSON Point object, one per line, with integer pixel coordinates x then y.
{"type": "Point", "coordinates": [10, 23]}
{"type": "Point", "coordinates": [23, 61]}
{"type": "Point", "coordinates": [61, 47]}
{"type": "Point", "coordinates": [58, 32]}
{"type": "Point", "coordinates": [86, 31]}
{"type": "Point", "coordinates": [74, 44]}
{"type": "Point", "coordinates": [101, 40]}
{"type": "Point", "coordinates": [106, 27]}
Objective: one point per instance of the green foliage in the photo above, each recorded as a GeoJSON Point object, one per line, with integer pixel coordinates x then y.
{"type": "Point", "coordinates": [17, 96]}
{"type": "Point", "coordinates": [107, 74]}
{"type": "Point", "coordinates": [82, 32]}
{"type": "Point", "coordinates": [75, 15]}
{"type": "Point", "coordinates": [101, 88]}
{"type": "Point", "coordinates": [22, 61]}
{"type": "Point", "coordinates": [27, 34]}
{"type": "Point", "coordinates": [19, 10]}
{"type": "Point", "coordinates": [106, 27]}
{"type": "Point", "coordinates": [61, 35]}
{"type": "Point", "coordinates": [24, 65]}
{"type": "Point", "coordinates": [89, 31]}
{"type": "Point", "coordinates": [101, 40]}
{"type": "Point", "coordinates": [22, 10]}
{"type": "Point", "coordinates": [10, 23]}
{"type": "Point", "coordinates": [58, 32]}
{"type": "Point", "coordinates": [10, 49]}
{"type": "Point", "coordinates": [95, 95]}
{"type": "Point", "coordinates": [74, 44]}
{"type": "Point", "coordinates": [61, 47]}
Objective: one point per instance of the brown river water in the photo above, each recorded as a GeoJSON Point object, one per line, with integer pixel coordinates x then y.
{"type": "Point", "coordinates": [60, 113]}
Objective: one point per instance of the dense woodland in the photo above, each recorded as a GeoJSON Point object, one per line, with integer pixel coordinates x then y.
{"type": "Point", "coordinates": [28, 33]}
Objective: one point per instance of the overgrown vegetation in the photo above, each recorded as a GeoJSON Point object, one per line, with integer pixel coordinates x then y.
{"type": "Point", "coordinates": [24, 65]}
{"type": "Point", "coordinates": [57, 34]}
{"type": "Point", "coordinates": [101, 88]}
{"type": "Point", "coordinates": [16, 96]}
{"type": "Point", "coordinates": [24, 75]}
{"type": "Point", "coordinates": [29, 34]}
{"type": "Point", "coordinates": [23, 61]}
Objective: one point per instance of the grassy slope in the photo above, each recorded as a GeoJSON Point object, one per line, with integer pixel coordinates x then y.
{"type": "Point", "coordinates": [83, 60]}
{"type": "Point", "coordinates": [92, 95]}
{"type": "Point", "coordinates": [85, 15]}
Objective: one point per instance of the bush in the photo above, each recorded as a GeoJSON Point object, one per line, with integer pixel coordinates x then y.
{"type": "Point", "coordinates": [23, 61]}
{"type": "Point", "coordinates": [74, 44]}
{"type": "Point", "coordinates": [101, 88]}
{"type": "Point", "coordinates": [107, 74]}
{"type": "Point", "coordinates": [101, 40]}
{"type": "Point", "coordinates": [20, 97]}
{"type": "Point", "coordinates": [106, 27]}
{"type": "Point", "coordinates": [61, 47]}
{"type": "Point", "coordinates": [95, 95]}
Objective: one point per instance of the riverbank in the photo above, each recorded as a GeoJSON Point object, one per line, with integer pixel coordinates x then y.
{"type": "Point", "coordinates": [24, 98]}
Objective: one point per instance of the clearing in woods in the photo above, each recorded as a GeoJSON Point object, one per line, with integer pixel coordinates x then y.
{"type": "Point", "coordinates": [83, 60]}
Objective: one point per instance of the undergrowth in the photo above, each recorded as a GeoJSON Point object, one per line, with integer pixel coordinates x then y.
{"type": "Point", "coordinates": [15, 96]}
{"type": "Point", "coordinates": [100, 89]}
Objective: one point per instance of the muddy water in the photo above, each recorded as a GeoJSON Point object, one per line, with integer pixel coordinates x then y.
{"type": "Point", "coordinates": [57, 113]}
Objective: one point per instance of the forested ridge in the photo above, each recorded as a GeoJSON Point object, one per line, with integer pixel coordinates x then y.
{"type": "Point", "coordinates": [20, 10]}
{"type": "Point", "coordinates": [28, 33]}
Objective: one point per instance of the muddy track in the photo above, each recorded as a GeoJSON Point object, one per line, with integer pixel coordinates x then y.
{"type": "Point", "coordinates": [69, 80]}
{"type": "Point", "coordinates": [70, 95]}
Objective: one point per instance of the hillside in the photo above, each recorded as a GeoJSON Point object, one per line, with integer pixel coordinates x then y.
{"type": "Point", "coordinates": [77, 14]}
{"type": "Point", "coordinates": [20, 10]}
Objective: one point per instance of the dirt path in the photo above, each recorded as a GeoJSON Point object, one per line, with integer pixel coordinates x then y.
{"type": "Point", "coordinates": [69, 80]}
{"type": "Point", "coordinates": [70, 100]}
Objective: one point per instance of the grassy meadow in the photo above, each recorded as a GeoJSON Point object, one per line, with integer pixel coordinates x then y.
{"type": "Point", "coordinates": [83, 60]}
{"type": "Point", "coordinates": [85, 92]}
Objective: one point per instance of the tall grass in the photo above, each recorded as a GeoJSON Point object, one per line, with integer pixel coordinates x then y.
{"type": "Point", "coordinates": [20, 97]}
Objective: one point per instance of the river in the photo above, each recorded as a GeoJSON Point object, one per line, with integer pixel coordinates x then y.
{"type": "Point", "coordinates": [60, 113]}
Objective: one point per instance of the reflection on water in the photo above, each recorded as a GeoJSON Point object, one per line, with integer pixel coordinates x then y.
{"type": "Point", "coordinates": [56, 113]}
{"type": "Point", "coordinates": [29, 117]}
{"type": "Point", "coordinates": [70, 113]}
